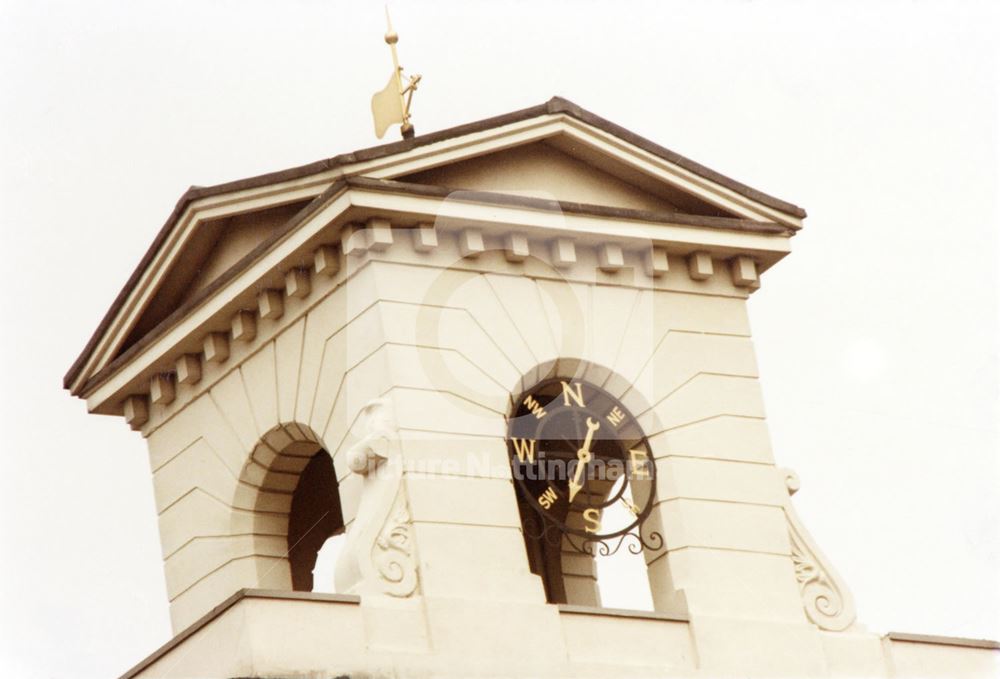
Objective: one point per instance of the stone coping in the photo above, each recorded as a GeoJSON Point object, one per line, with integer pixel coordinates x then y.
{"type": "Point", "coordinates": [204, 620]}
{"type": "Point", "coordinates": [946, 641]}
{"type": "Point", "coordinates": [569, 609]}
{"type": "Point", "coordinates": [622, 613]}
{"type": "Point", "coordinates": [351, 599]}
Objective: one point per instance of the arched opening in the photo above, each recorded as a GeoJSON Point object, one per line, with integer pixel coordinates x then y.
{"type": "Point", "coordinates": [622, 578]}
{"type": "Point", "coordinates": [315, 516]}
{"type": "Point", "coordinates": [293, 504]}
{"type": "Point", "coordinates": [544, 553]}
{"type": "Point", "coordinates": [326, 564]}
{"type": "Point", "coordinates": [586, 481]}
{"type": "Point", "coordinates": [615, 580]}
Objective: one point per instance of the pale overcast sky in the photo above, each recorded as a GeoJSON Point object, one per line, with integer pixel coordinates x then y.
{"type": "Point", "coordinates": [877, 338]}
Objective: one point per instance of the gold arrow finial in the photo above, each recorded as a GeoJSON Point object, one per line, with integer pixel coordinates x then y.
{"type": "Point", "coordinates": [392, 104]}
{"type": "Point", "coordinates": [391, 38]}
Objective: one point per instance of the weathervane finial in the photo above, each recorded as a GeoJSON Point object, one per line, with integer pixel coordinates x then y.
{"type": "Point", "coordinates": [392, 104]}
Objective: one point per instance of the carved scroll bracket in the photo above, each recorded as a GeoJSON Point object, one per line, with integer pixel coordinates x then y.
{"type": "Point", "coordinates": [825, 596]}
{"type": "Point", "coordinates": [379, 556]}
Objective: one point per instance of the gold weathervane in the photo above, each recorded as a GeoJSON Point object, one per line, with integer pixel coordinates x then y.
{"type": "Point", "coordinates": [392, 104]}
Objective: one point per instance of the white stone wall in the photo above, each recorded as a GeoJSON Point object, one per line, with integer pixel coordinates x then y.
{"type": "Point", "coordinates": [412, 356]}
{"type": "Point", "coordinates": [277, 634]}
{"type": "Point", "coordinates": [448, 338]}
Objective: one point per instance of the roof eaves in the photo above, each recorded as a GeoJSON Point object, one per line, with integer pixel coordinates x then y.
{"type": "Point", "coordinates": [555, 105]}
{"type": "Point", "coordinates": [560, 105]}
{"type": "Point", "coordinates": [203, 294]}
{"type": "Point", "coordinates": [495, 198]}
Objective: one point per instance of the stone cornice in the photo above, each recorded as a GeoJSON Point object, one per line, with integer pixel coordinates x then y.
{"type": "Point", "coordinates": [331, 227]}
{"type": "Point", "coordinates": [557, 118]}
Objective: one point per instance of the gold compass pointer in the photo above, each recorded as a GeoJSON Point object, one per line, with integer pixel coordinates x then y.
{"type": "Point", "coordinates": [583, 456]}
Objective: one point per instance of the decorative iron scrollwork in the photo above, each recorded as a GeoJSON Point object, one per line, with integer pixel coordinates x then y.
{"type": "Point", "coordinates": [601, 547]}
{"type": "Point", "coordinates": [593, 547]}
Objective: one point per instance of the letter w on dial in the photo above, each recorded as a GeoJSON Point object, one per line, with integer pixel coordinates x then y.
{"type": "Point", "coordinates": [525, 448]}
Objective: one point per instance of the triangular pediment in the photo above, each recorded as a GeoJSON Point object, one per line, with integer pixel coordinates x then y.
{"type": "Point", "coordinates": [555, 151]}
{"type": "Point", "coordinates": [549, 169]}
{"type": "Point", "coordinates": [216, 246]}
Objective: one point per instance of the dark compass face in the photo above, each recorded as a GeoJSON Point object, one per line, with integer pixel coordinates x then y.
{"type": "Point", "coordinates": [575, 451]}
